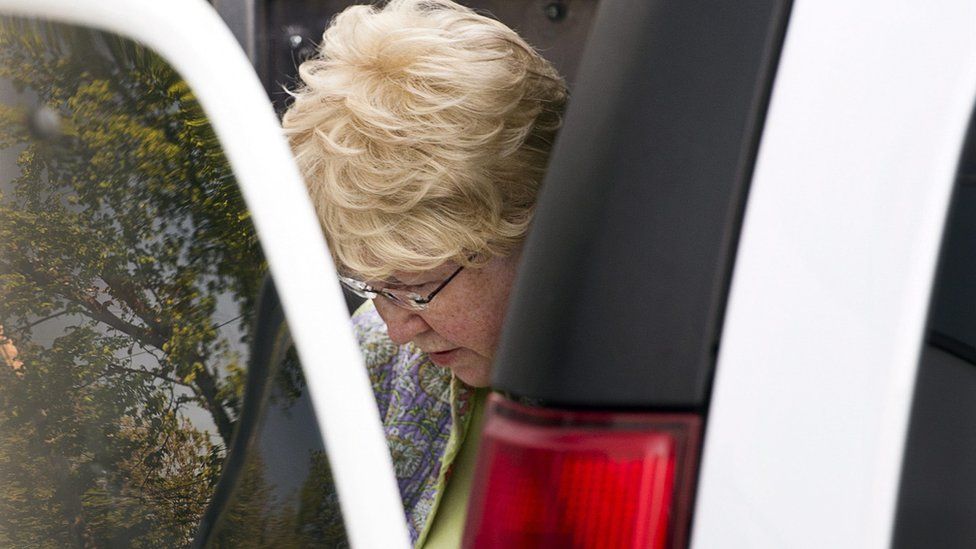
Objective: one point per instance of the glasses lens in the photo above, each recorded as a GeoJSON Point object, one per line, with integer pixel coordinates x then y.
{"type": "Point", "coordinates": [407, 300]}
{"type": "Point", "coordinates": [357, 287]}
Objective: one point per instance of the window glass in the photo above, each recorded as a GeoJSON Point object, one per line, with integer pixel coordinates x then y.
{"type": "Point", "coordinates": [129, 268]}
{"type": "Point", "coordinates": [283, 495]}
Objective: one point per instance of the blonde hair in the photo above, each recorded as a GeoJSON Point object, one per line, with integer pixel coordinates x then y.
{"type": "Point", "coordinates": [423, 130]}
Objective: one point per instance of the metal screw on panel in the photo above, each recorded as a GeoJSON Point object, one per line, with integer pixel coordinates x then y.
{"type": "Point", "coordinates": [301, 49]}
{"type": "Point", "coordinates": [556, 11]}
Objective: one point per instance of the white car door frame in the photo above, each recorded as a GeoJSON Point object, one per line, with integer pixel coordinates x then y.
{"type": "Point", "coordinates": [192, 38]}
{"type": "Point", "coordinates": [830, 289]}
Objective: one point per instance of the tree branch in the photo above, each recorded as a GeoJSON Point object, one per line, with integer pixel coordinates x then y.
{"type": "Point", "coordinates": [207, 384]}
{"type": "Point", "coordinates": [96, 310]}
{"type": "Point", "coordinates": [126, 292]}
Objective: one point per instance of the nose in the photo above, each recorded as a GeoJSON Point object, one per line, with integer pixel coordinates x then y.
{"type": "Point", "coordinates": [402, 325]}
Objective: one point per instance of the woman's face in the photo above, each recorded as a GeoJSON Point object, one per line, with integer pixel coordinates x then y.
{"type": "Point", "coordinates": [460, 328]}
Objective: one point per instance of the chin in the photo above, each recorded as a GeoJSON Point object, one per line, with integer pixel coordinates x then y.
{"type": "Point", "coordinates": [475, 375]}
{"type": "Point", "coordinates": [477, 383]}
{"type": "Point", "coordinates": [471, 368]}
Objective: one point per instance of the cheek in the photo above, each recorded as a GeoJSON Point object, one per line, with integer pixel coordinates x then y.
{"type": "Point", "coordinates": [475, 318]}
{"type": "Point", "coordinates": [479, 327]}
{"type": "Point", "coordinates": [476, 326]}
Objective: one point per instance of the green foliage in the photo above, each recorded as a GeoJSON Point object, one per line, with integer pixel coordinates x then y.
{"type": "Point", "coordinates": [124, 244]}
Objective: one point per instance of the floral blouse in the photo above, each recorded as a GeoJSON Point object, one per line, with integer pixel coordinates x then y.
{"type": "Point", "coordinates": [425, 412]}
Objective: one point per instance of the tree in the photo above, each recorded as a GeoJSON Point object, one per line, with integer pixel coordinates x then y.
{"type": "Point", "coordinates": [124, 242]}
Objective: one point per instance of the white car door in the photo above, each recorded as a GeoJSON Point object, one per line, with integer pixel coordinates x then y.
{"type": "Point", "coordinates": [145, 191]}
{"type": "Point", "coordinates": [830, 290]}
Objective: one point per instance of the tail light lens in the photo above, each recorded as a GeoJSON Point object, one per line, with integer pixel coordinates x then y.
{"type": "Point", "coordinates": [550, 478]}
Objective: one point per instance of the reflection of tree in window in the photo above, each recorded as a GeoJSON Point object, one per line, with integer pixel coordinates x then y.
{"type": "Point", "coordinates": [128, 269]}
{"type": "Point", "coordinates": [285, 495]}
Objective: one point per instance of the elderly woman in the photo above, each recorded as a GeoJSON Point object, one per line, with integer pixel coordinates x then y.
{"type": "Point", "coordinates": [423, 131]}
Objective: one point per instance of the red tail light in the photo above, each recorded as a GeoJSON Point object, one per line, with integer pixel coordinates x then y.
{"type": "Point", "coordinates": [549, 478]}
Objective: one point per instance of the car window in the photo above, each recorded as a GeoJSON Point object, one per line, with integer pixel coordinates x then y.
{"type": "Point", "coordinates": [129, 271]}
{"type": "Point", "coordinates": [278, 489]}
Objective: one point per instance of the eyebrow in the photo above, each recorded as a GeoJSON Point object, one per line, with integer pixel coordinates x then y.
{"type": "Point", "coordinates": [393, 282]}
{"type": "Point", "coordinates": [384, 281]}
{"type": "Point", "coordinates": [397, 283]}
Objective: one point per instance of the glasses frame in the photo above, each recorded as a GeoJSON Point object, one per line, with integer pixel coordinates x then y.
{"type": "Point", "coordinates": [407, 300]}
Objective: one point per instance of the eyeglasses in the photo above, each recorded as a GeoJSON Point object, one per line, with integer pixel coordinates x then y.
{"type": "Point", "coordinates": [402, 298]}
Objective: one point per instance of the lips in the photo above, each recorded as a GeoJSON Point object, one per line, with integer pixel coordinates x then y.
{"type": "Point", "coordinates": [443, 358]}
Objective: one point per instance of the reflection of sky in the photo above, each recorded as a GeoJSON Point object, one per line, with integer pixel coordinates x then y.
{"type": "Point", "coordinates": [287, 438]}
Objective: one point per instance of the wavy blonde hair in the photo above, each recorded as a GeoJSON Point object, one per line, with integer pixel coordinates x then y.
{"type": "Point", "coordinates": [423, 130]}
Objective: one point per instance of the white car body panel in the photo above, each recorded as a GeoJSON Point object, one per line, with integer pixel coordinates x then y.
{"type": "Point", "coordinates": [825, 319]}
{"type": "Point", "coordinates": [190, 35]}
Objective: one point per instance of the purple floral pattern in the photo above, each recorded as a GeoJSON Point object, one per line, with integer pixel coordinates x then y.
{"type": "Point", "coordinates": [425, 412]}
